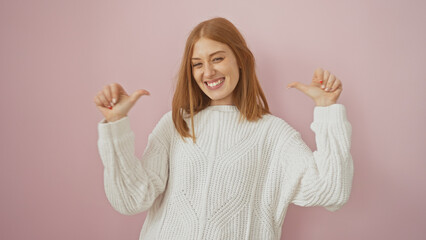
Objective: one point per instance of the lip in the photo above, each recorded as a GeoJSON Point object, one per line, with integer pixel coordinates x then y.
{"type": "Point", "coordinates": [217, 86]}
{"type": "Point", "coordinates": [214, 80]}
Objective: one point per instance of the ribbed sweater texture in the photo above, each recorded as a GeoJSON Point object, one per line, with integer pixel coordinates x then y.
{"type": "Point", "coordinates": [235, 182]}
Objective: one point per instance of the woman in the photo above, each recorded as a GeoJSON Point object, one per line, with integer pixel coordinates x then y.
{"type": "Point", "coordinates": [241, 167]}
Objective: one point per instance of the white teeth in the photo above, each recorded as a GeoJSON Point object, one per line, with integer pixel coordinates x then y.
{"type": "Point", "coordinates": [215, 83]}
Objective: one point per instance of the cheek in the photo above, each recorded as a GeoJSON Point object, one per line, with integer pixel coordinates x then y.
{"type": "Point", "coordinates": [233, 70]}
{"type": "Point", "coordinates": [198, 78]}
{"type": "Point", "coordinates": [236, 74]}
{"type": "Point", "coordinates": [195, 76]}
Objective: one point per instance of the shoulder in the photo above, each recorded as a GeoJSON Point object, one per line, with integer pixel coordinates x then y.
{"type": "Point", "coordinates": [166, 118]}
{"type": "Point", "coordinates": [163, 130]}
{"type": "Point", "coordinates": [276, 124]}
{"type": "Point", "coordinates": [276, 130]}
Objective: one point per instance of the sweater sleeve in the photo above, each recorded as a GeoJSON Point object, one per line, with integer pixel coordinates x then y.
{"type": "Point", "coordinates": [325, 175]}
{"type": "Point", "coordinates": [132, 185]}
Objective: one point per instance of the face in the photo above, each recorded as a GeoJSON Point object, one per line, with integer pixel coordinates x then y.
{"type": "Point", "coordinates": [215, 69]}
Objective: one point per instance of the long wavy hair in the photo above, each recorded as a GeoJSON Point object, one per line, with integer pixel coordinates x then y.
{"type": "Point", "coordinates": [189, 99]}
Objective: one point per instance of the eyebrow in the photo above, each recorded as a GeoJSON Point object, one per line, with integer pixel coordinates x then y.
{"type": "Point", "coordinates": [210, 54]}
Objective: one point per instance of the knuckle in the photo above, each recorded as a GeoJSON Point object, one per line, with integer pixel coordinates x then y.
{"type": "Point", "coordinates": [106, 93]}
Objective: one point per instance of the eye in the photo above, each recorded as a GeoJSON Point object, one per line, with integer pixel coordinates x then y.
{"type": "Point", "coordinates": [218, 59]}
{"type": "Point", "coordinates": [196, 64]}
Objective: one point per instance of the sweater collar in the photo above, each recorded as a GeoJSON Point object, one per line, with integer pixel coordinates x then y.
{"type": "Point", "coordinates": [223, 108]}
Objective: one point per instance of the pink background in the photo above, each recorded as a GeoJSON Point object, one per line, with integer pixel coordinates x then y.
{"type": "Point", "coordinates": [56, 55]}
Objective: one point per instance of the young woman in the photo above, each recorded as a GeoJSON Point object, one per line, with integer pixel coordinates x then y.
{"type": "Point", "coordinates": [219, 165]}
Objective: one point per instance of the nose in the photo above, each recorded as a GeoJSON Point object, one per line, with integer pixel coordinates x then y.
{"type": "Point", "coordinates": [209, 70]}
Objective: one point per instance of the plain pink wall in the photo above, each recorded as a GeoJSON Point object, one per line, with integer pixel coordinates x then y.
{"type": "Point", "coordinates": [56, 55]}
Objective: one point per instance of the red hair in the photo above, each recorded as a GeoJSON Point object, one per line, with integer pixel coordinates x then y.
{"type": "Point", "coordinates": [248, 96]}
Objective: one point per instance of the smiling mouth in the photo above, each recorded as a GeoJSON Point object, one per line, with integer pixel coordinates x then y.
{"type": "Point", "coordinates": [214, 83]}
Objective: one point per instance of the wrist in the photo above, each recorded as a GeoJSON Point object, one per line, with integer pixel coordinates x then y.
{"type": "Point", "coordinates": [324, 103]}
{"type": "Point", "coordinates": [116, 118]}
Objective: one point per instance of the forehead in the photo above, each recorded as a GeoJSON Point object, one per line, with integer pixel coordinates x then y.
{"type": "Point", "coordinates": [204, 47]}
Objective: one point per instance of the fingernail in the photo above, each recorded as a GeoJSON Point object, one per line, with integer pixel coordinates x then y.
{"type": "Point", "coordinates": [326, 89]}
{"type": "Point", "coordinates": [112, 104]}
{"type": "Point", "coordinates": [114, 100]}
{"type": "Point", "coordinates": [321, 81]}
{"type": "Point", "coordinates": [322, 86]}
{"type": "Point", "coordinates": [109, 107]}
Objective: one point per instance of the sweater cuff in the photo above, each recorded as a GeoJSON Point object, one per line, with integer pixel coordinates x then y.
{"type": "Point", "coordinates": [332, 113]}
{"type": "Point", "coordinates": [114, 130]}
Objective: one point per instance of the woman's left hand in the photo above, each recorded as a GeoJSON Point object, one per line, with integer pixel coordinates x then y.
{"type": "Point", "coordinates": [324, 89]}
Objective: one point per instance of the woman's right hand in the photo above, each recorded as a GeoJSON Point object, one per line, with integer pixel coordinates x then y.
{"type": "Point", "coordinates": [113, 111]}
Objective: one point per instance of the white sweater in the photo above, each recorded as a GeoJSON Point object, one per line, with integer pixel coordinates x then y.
{"type": "Point", "coordinates": [236, 182]}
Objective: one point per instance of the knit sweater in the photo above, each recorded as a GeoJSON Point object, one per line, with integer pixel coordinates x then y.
{"type": "Point", "coordinates": [235, 182]}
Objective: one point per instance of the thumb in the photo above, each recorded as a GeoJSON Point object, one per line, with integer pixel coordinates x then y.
{"type": "Point", "coordinates": [300, 86]}
{"type": "Point", "coordinates": [137, 94]}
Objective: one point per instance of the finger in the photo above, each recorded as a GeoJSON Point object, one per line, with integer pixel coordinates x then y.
{"type": "Point", "coordinates": [120, 90]}
{"type": "Point", "coordinates": [335, 85]}
{"type": "Point", "coordinates": [145, 92]}
{"type": "Point", "coordinates": [339, 90]}
{"type": "Point", "coordinates": [107, 94]}
{"type": "Point", "coordinates": [115, 93]}
{"type": "Point", "coordinates": [97, 101]}
{"type": "Point", "coordinates": [104, 101]}
{"type": "Point", "coordinates": [325, 79]}
{"type": "Point", "coordinates": [318, 75]}
{"type": "Point", "coordinates": [139, 93]}
{"type": "Point", "coordinates": [299, 86]}
{"type": "Point", "coordinates": [330, 82]}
